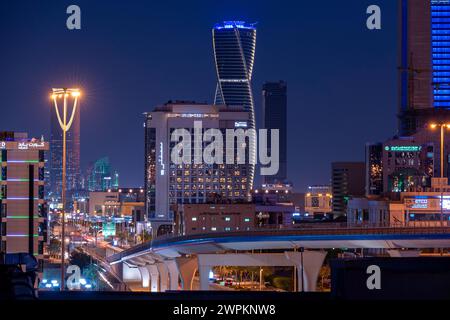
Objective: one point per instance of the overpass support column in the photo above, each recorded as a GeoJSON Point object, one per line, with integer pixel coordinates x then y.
{"type": "Point", "coordinates": [154, 277]}
{"type": "Point", "coordinates": [403, 253]}
{"type": "Point", "coordinates": [203, 273]}
{"type": "Point", "coordinates": [145, 276]}
{"type": "Point", "coordinates": [174, 274]}
{"type": "Point", "coordinates": [187, 268]}
{"type": "Point", "coordinates": [163, 276]}
{"type": "Point", "coordinates": [312, 262]}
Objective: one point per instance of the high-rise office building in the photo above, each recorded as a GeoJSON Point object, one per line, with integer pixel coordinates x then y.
{"type": "Point", "coordinates": [234, 45]}
{"type": "Point", "coordinates": [424, 63]}
{"type": "Point", "coordinates": [275, 117]}
{"type": "Point", "coordinates": [23, 212]}
{"type": "Point", "coordinates": [73, 156]}
{"type": "Point", "coordinates": [168, 183]}
{"type": "Point", "coordinates": [347, 180]}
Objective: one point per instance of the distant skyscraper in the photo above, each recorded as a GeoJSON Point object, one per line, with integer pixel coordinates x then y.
{"type": "Point", "coordinates": [275, 117]}
{"type": "Point", "coordinates": [73, 155]}
{"type": "Point", "coordinates": [424, 63]}
{"type": "Point", "coordinates": [101, 177]}
{"type": "Point", "coordinates": [234, 52]}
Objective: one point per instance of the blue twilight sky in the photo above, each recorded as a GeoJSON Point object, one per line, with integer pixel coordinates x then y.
{"type": "Point", "coordinates": [132, 55]}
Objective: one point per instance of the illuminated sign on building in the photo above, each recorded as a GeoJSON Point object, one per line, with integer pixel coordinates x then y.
{"type": "Point", "coordinates": [192, 115]}
{"type": "Point", "coordinates": [109, 229]}
{"type": "Point", "coordinates": [415, 203]}
{"type": "Point", "coordinates": [446, 204]}
{"type": "Point", "coordinates": [428, 203]}
{"type": "Point", "coordinates": [161, 158]}
{"type": "Point", "coordinates": [13, 145]}
{"type": "Point", "coordinates": [240, 124]}
{"type": "Point", "coordinates": [403, 148]}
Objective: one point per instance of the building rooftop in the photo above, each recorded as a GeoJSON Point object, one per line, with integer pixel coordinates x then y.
{"type": "Point", "coordinates": [234, 24]}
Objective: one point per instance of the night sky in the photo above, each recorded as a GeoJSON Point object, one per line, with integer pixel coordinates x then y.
{"type": "Point", "coordinates": [132, 55]}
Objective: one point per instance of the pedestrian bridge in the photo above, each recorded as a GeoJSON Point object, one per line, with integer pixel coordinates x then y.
{"type": "Point", "coordinates": [169, 263]}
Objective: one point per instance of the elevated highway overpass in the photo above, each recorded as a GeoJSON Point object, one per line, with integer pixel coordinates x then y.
{"type": "Point", "coordinates": [170, 263]}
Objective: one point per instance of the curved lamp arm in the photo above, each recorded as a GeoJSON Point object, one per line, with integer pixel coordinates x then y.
{"type": "Point", "coordinates": [73, 114]}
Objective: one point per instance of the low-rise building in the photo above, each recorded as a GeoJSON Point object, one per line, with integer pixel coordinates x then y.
{"type": "Point", "coordinates": [318, 202]}
{"type": "Point", "coordinates": [124, 202]}
{"type": "Point", "coordinates": [429, 207]}
{"type": "Point", "coordinates": [207, 218]}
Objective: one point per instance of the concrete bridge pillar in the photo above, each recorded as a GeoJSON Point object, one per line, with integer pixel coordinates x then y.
{"type": "Point", "coordinates": [312, 263]}
{"type": "Point", "coordinates": [187, 268]}
{"type": "Point", "coordinates": [145, 276]}
{"type": "Point", "coordinates": [130, 274]}
{"type": "Point", "coordinates": [154, 277]}
{"type": "Point", "coordinates": [163, 276]}
{"type": "Point", "coordinates": [204, 271]}
{"type": "Point", "coordinates": [174, 274]}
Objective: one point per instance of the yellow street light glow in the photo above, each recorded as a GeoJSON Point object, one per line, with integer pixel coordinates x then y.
{"type": "Point", "coordinates": [76, 94]}
{"type": "Point", "coordinates": [433, 125]}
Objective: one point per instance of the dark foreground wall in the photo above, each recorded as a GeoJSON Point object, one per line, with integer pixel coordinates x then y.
{"type": "Point", "coordinates": [399, 278]}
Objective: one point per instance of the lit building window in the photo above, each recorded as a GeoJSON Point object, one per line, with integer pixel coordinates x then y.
{"type": "Point", "coordinates": [194, 218]}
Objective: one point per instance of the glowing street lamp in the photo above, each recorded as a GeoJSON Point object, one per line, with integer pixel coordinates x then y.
{"type": "Point", "coordinates": [442, 126]}
{"type": "Point", "coordinates": [65, 125]}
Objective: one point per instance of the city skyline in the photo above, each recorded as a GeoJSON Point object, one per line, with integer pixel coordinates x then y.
{"type": "Point", "coordinates": [143, 65]}
{"type": "Point", "coordinates": [270, 153]}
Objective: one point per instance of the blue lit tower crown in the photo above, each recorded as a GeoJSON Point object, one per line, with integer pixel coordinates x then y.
{"type": "Point", "coordinates": [234, 52]}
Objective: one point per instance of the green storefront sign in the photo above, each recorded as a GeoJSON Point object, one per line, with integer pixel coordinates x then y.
{"type": "Point", "coordinates": [109, 229]}
{"type": "Point", "coordinates": [403, 148]}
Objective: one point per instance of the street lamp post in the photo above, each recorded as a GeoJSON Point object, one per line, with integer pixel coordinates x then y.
{"type": "Point", "coordinates": [260, 278]}
{"type": "Point", "coordinates": [65, 126]}
{"type": "Point", "coordinates": [442, 126]}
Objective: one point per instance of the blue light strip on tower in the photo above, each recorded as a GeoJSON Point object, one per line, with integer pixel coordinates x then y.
{"type": "Point", "coordinates": [440, 42]}
{"type": "Point", "coordinates": [235, 24]}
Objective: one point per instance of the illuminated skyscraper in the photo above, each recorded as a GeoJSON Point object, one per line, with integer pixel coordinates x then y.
{"type": "Point", "coordinates": [424, 63]}
{"type": "Point", "coordinates": [73, 156]}
{"type": "Point", "coordinates": [168, 183]}
{"type": "Point", "coordinates": [234, 52]}
{"type": "Point", "coordinates": [100, 176]}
